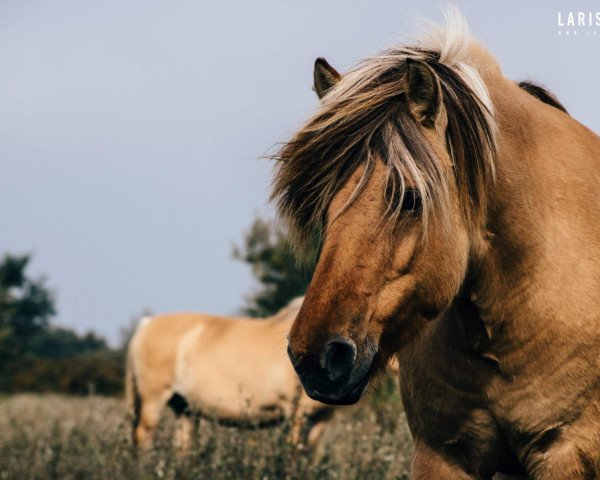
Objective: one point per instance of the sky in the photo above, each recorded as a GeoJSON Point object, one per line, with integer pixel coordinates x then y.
{"type": "Point", "coordinates": [133, 134]}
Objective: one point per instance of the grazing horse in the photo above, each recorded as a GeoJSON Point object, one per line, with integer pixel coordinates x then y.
{"type": "Point", "coordinates": [232, 369]}
{"type": "Point", "coordinates": [460, 227]}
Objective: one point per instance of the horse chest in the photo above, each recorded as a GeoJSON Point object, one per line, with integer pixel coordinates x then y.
{"type": "Point", "coordinates": [445, 384]}
{"type": "Point", "coordinates": [460, 398]}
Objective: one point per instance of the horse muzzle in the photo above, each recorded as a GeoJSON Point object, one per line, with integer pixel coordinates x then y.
{"type": "Point", "coordinates": [336, 374]}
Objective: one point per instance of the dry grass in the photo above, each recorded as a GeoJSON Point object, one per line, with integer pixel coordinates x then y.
{"type": "Point", "coordinates": [58, 437]}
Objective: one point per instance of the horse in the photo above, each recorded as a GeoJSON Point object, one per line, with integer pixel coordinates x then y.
{"type": "Point", "coordinates": [231, 369]}
{"type": "Point", "coordinates": [460, 233]}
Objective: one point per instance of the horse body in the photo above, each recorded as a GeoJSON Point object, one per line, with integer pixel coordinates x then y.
{"type": "Point", "coordinates": [514, 407]}
{"type": "Point", "coordinates": [488, 295]}
{"type": "Point", "coordinates": [233, 369]}
{"type": "Point", "coordinates": [262, 389]}
{"type": "Point", "coordinates": [542, 311]}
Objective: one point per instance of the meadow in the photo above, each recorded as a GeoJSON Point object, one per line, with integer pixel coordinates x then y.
{"type": "Point", "coordinates": [47, 436]}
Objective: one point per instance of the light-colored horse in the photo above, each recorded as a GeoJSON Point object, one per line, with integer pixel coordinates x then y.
{"type": "Point", "coordinates": [461, 232]}
{"type": "Point", "coordinates": [232, 369]}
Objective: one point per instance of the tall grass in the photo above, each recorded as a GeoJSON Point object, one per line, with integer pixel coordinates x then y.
{"type": "Point", "coordinates": [58, 437]}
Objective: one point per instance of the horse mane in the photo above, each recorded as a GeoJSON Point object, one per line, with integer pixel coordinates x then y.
{"type": "Point", "coordinates": [542, 94]}
{"type": "Point", "coordinates": [365, 117]}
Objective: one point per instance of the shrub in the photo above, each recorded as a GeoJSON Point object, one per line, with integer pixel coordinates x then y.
{"type": "Point", "coordinates": [100, 372]}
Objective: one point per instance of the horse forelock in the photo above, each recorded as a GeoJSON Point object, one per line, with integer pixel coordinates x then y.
{"type": "Point", "coordinates": [365, 118]}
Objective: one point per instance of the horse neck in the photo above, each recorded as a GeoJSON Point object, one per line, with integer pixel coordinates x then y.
{"type": "Point", "coordinates": [540, 265]}
{"type": "Point", "coordinates": [281, 319]}
{"type": "Point", "coordinates": [287, 314]}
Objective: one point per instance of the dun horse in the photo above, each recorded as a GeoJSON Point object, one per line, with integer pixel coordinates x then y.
{"type": "Point", "coordinates": [460, 226]}
{"type": "Point", "coordinates": [231, 369]}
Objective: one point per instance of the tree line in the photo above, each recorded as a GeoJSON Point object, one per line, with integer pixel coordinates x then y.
{"type": "Point", "coordinates": [38, 356]}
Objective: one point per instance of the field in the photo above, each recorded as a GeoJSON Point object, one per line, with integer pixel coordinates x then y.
{"type": "Point", "coordinates": [60, 437]}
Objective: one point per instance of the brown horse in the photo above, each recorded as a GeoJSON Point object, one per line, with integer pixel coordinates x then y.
{"type": "Point", "coordinates": [460, 227]}
{"type": "Point", "coordinates": [232, 369]}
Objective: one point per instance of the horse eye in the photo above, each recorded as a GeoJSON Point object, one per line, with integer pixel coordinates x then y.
{"type": "Point", "coordinates": [411, 202]}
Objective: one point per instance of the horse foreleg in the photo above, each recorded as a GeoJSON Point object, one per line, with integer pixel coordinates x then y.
{"type": "Point", "coordinates": [563, 462]}
{"type": "Point", "coordinates": [430, 465]}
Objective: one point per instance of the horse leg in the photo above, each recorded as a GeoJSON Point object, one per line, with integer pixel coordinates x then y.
{"type": "Point", "coordinates": [318, 424]}
{"type": "Point", "coordinates": [315, 433]}
{"type": "Point", "coordinates": [185, 428]}
{"type": "Point", "coordinates": [149, 414]}
{"type": "Point", "coordinates": [429, 465]}
{"type": "Point", "coordinates": [136, 412]}
{"type": "Point", "coordinates": [565, 462]}
{"type": "Point", "coordinates": [185, 432]}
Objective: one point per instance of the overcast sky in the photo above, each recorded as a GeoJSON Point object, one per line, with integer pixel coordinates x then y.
{"type": "Point", "coordinates": [131, 131]}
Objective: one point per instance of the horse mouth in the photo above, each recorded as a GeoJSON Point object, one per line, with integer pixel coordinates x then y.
{"type": "Point", "coordinates": [348, 395]}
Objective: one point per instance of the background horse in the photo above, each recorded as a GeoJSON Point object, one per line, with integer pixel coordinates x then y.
{"type": "Point", "coordinates": [460, 222]}
{"type": "Point", "coordinates": [228, 368]}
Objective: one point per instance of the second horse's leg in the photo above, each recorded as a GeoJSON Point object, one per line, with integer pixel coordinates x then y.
{"type": "Point", "coordinates": [185, 433]}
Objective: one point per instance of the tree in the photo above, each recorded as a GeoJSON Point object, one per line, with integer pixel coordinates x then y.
{"type": "Point", "coordinates": [59, 342]}
{"type": "Point", "coordinates": [280, 275]}
{"type": "Point", "coordinates": [26, 306]}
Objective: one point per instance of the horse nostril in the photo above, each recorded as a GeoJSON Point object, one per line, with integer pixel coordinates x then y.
{"type": "Point", "coordinates": [339, 358]}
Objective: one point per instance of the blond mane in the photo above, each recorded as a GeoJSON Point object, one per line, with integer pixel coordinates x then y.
{"type": "Point", "coordinates": [365, 118]}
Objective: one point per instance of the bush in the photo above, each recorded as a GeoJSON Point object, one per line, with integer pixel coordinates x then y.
{"type": "Point", "coordinates": [58, 342]}
{"type": "Point", "coordinates": [99, 372]}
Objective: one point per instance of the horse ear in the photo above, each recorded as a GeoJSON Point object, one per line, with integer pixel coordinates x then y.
{"type": "Point", "coordinates": [325, 77]}
{"type": "Point", "coordinates": [423, 92]}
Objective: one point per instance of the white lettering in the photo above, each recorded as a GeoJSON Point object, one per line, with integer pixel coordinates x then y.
{"type": "Point", "coordinates": [578, 19]}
